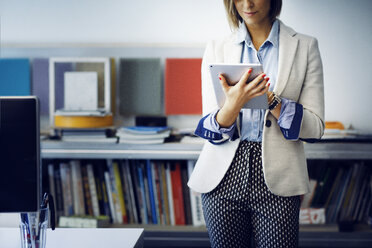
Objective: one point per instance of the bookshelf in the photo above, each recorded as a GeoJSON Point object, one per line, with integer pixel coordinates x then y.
{"type": "Point", "coordinates": [74, 150]}
{"type": "Point", "coordinates": [189, 236]}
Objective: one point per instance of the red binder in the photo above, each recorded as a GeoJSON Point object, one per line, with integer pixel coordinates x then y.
{"type": "Point", "coordinates": [183, 86]}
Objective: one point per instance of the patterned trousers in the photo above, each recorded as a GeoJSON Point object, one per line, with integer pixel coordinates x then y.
{"type": "Point", "coordinates": [241, 207]}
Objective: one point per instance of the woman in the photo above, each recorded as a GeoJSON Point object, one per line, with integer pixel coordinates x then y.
{"type": "Point", "coordinates": [253, 170]}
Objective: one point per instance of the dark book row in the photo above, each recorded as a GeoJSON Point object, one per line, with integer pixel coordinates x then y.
{"type": "Point", "coordinates": [127, 191]}
{"type": "Point", "coordinates": [342, 188]}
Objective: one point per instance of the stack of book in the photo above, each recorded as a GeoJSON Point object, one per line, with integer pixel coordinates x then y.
{"type": "Point", "coordinates": [88, 135]}
{"type": "Point", "coordinates": [143, 135]}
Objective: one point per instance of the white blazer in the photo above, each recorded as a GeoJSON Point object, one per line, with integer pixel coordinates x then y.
{"type": "Point", "coordinates": [300, 78]}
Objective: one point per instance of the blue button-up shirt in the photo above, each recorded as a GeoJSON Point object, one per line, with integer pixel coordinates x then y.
{"type": "Point", "coordinates": [253, 119]}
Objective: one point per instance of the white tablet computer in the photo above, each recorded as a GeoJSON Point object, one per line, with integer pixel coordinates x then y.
{"type": "Point", "coordinates": [233, 73]}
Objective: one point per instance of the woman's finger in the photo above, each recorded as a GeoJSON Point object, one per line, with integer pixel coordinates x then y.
{"type": "Point", "coordinates": [263, 91]}
{"type": "Point", "coordinates": [243, 80]}
{"type": "Point", "coordinates": [225, 85]}
{"type": "Point", "coordinates": [255, 82]}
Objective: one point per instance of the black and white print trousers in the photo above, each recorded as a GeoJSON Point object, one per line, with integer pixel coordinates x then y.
{"type": "Point", "coordinates": [241, 207]}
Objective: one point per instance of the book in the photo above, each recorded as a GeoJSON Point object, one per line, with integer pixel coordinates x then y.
{"type": "Point", "coordinates": [15, 77]}
{"type": "Point", "coordinates": [195, 200]}
{"type": "Point", "coordinates": [178, 201]}
{"type": "Point", "coordinates": [152, 192]}
{"type": "Point", "coordinates": [77, 186]}
{"type": "Point", "coordinates": [40, 83]}
{"type": "Point", "coordinates": [159, 194]}
{"type": "Point", "coordinates": [143, 142]}
{"type": "Point", "coordinates": [84, 221]}
{"type": "Point", "coordinates": [143, 130]}
{"type": "Point", "coordinates": [58, 187]}
{"type": "Point", "coordinates": [120, 191]}
{"type": "Point", "coordinates": [66, 189]}
{"type": "Point", "coordinates": [140, 78]}
{"type": "Point", "coordinates": [306, 201]}
{"type": "Point", "coordinates": [164, 190]}
{"type": "Point", "coordinates": [52, 190]}
{"type": "Point", "coordinates": [142, 164]}
{"type": "Point", "coordinates": [102, 189]}
{"type": "Point", "coordinates": [170, 194]}
{"type": "Point", "coordinates": [177, 92]}
{"type": "Point", "coordinates": [142, 196]}
{"type": "Point", "coordinates": [115, 193]}
{"type": "Point", "coordinates": [93, 190]}
{"type": "Point", "coordinates": [114, 217]}
{"type": "Point", "coordinates": [186, 194]}
{"type": "Point", "coordinates": [136, 188]}
{"type": "Point", "coordinates": [312, 216]}
{"type": "Point", "coordinates": [126, 192]}
{"type": "Point", "coordinates": [130, 190]}
{"type": "Point", "coordinates": [86, 190]}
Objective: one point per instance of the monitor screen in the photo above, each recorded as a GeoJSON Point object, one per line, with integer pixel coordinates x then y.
{"type": "Point", "coordinates": [19, 154]}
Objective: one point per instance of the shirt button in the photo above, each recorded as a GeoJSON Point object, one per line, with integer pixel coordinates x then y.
{"type": "Point", "coordinates": [268, 123]}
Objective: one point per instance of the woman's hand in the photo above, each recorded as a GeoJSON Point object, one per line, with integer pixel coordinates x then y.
{"type": "Point", "coordinates": [238, 95]}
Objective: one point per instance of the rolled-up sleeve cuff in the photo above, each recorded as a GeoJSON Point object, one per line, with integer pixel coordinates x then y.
{"type": "Point", "coordinates": [229, 131]}
{"type": "Point", "coordinates": [290, 119]}
{"type": "Point", "coordinates": [209, 129]}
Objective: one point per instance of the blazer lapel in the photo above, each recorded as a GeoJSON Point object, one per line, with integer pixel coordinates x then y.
{"type": "Point", "coordinates": [233, 52]}
{"type": "Point", "coordinates": [287, 50]}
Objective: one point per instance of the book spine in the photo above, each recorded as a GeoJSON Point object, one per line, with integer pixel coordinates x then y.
{"type": "Point", "coordinates": [66, 189]}
{"type": "Point", "coordinates": [59, 193]}
{"type": "Point", "coordinates": [102, 182]}
{"type": "Point", "coordinates": [52, 190]}
{"type": "Point", "coordinates": [160, 195]}
{"type": "Point", "coordinates": [87, 196]}
{"type": "Point", "coordinates": [170, 194]}
{"type": "Point", "coordinates": [77, 188]}
{"type": "Point", "coordinates": [178, 201]}
{"type": "Point", "coordinates": [186, 194]}
{"type": "Point", "coordinates": [195, 200]}
{"type": "Point", "coordinates": [165, 194]}
{"type": "Point", "coordinates": [114, 193]}
{"type": "Point", "coordinates": [136, 188]}
{"type": "Point", "coordinates": [93, 190]}
{"type": "Point", "coordinates": [151, 184]}
{"type": "Point", "coordinates": [144, 215]}
{"type": "Point", "coordinates": [128, 175]}
{"type": "Point", "coordinates": [120, 192]}
{"type": "Point", "coordinates": [97, 180]}
{"type": "Point", "coordinates": [110, 199]}
{"type": "Point", "coordinates": [125, 189]}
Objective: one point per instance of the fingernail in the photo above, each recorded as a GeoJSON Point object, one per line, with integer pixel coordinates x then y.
{"type": "Point", "coordinates": [250, 70]}
{"type": "Point", "coordinates": [263, 75]}
{"type": "Point", "coordinates": [219, 78]}
{"type": "Point", "coordinates": [267, 79]}
{"type": "Point", "coordinates": [268, 85]}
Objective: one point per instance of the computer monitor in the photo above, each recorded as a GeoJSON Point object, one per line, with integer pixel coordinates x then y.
{"type": "Point", "coordinates": [19, 154]}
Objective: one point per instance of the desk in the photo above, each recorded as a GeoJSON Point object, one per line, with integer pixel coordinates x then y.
{"type": "Point", "coordinates": [80, 237]}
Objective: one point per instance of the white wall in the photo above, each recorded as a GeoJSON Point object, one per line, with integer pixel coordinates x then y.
{"type": "Point", "coordinates": [342, 27]}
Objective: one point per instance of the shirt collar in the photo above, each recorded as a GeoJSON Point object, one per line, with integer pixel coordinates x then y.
{"type": "Point", "coordinates": [243, 34]}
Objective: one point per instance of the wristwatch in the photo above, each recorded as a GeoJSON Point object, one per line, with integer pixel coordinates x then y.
{"type": "Point", "coordinates": [274, 102]}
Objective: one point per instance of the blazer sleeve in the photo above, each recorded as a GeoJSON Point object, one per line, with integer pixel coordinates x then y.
{"type": "Point", "coordinates": [312, 96]}
{"type": "Point", "coordinates": [208, 100]}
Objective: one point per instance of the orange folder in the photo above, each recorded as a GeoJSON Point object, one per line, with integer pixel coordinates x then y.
{"type": "Point", "coordinates": [183, 86]}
